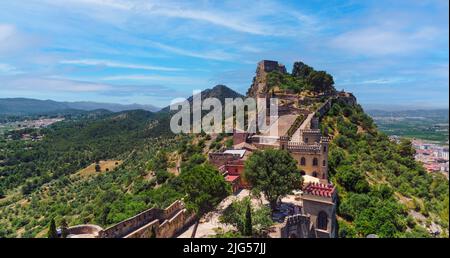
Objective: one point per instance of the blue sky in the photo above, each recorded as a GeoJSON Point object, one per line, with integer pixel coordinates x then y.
{"type": "Point", "coordinates": [388, 53]}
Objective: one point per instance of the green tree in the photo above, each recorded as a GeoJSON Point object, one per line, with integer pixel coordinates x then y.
{"type": "Point", "coordinates": [321, 81]}
{"type": "Point", "coordinates": [274, 173]}
{"type": "Point", "coordinates": [204, 187]}
{"type": "Point", "coordinates": [52, 229]}
{"type": "Point", "coordinates": [248, 228]}
{"type": "Point", "coordinates": [162, 176]}
{"type": "Point", "coordinates": [64, 227]}
{"type": "Point", "coordinates": [237, 214]}
{"type": "Point", "coordinates": [301, 70]}
{"type": "Point", "coordinates": [2, 192]}
{"type": "Point", "coordinates": [406, 149]}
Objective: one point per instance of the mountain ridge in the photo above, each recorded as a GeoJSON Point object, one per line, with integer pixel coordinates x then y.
{"type": "Point", "coordinates": [30, 106]}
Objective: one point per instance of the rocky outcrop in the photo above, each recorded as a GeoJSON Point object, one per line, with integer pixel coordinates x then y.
{"type": "Point", "coordinates": [259, 85]}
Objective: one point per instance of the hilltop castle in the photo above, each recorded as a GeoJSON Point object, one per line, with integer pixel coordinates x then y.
{"type": "Point", "coordinates": [314, 214]}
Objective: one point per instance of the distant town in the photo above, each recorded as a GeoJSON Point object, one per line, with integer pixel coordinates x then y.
{"type": "Point", "coordinates": [433, 156]}
{"type": "Point", "coordinates": [28, 124]}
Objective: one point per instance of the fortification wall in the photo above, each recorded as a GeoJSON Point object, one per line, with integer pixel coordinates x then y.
{"type": "Point", "coordinates": [84, 229]}
{"type": "Point", "coordinates": [346, 97]}
{"type": "Point", "coordinates": [297, 226]}
{"type": "Point", "coordinates": [146, 231]}
{"type": "Point", "coordinates": [175, 224]}
{"type": "Point", "coordinates": [125, 227]}
{"type": "Point", "coordinates": [164, 222]}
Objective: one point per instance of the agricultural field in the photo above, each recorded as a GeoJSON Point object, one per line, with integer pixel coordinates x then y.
{"type": "Point", "coordinates": [430, 125]}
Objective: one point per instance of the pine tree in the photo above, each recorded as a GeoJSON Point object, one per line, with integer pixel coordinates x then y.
{"type": "Point", "coordinates": [52, 230]}
{"type": "Point", "coordinates": [248, 228]}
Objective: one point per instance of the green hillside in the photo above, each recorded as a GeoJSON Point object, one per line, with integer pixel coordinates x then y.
{"type": "Point", "coordinates": [42, 180]}
{"type": "Point", "coordinates": [382, 189]}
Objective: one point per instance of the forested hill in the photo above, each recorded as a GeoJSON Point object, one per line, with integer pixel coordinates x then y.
{"type": "Point", "coordinates": [25, 106]}
{"type": "Point", "coordinates": [44, 179]}
{"type": "Point", "coordinates": [71, 145]}
{"type": "Point", "coordinates": [382, 189]}
{"type": "Point", "coordinates": [221, 92]}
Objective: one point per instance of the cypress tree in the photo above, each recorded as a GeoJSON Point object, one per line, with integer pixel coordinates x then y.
{"type": "Point", "coordinates": [64, 227]}
{"type": "Point", "coordinates": [248, 228]}
{"type": "Point", "coordinates": [52, 230]}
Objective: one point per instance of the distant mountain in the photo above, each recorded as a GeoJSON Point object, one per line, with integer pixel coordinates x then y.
{"type": "Point", "coordinates": [426, 113]}
{"type": "Point", "coordinates": [220, 92]}
{"type": "Point", "coordinates": [25, 106]}
{"type": "Point", "coordinates": [86, 105]}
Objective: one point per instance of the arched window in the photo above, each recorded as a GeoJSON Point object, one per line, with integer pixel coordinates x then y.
{"type": "Point", "coordinates": [322, 220]}
{"type": "Point", "coordinates": [302, 172]}
{"type": "Point", "coordinates": [324, 163]}
{"type": "Point", "coordinates": [302, 161]}
{"type": "Point", "coordinates": [314, 174]}
{"type": "Point", "coordinates": [324, 149]}
{"type": "Point", "coordinates": [315, 162]}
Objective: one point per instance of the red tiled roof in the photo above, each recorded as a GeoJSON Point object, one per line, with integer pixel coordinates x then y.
{"type": "Point", "coordinates": [230, 178]}
{"type": "Point", "coordinates": [325, 190]}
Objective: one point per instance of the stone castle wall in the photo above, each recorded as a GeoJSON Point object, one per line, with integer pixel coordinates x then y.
{"type": "Point", "coordinates": [165, 222]}
{"type": "Point", "coordinates": [297, 226]}
{"type": "Point", "coordinates": [125, 227]}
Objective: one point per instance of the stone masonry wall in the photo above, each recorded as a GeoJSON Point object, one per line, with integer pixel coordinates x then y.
{"type": "Point", "coordinates": [167, 221]}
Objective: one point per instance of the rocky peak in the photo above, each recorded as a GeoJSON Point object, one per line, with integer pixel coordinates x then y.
{"type": "Point", "coordinates": [259, 85]}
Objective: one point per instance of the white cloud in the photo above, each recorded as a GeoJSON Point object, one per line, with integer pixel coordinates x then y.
{"type": "Point", "coordinates": [113, 64]}
{"type": "Point", "coordinates": [180, 80]}
{"type": "Point", "coordinates": [252, 21]}
{"type": "Point", "coordinates": [218, 55]}
{"type": "Point", "coordinates": [7, 69]}
{"type": "Point", "coordinates": [51, 85]}
{"type": "Point", "coordinates": [232, 22]}
{"type": "Point", "coordinates": [10, 39]}
{"type": "Point", "coordinates": [385, 81]}
{"type": "Point", "coordinates": [383, 41]}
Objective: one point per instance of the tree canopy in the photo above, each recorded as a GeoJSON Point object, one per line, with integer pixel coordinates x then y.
{"type": "Point", "coordinates": [248, 220]}
{"type": "Point", "coordinates": [204, 187]}
{"type": "Point", "coordinates": [274, 173]}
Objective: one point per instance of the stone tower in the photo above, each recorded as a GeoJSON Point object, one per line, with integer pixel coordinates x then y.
{"type": "Point", "coordinates": [259, 85]}
{"type": "Point", "coordinates": [319, 202]}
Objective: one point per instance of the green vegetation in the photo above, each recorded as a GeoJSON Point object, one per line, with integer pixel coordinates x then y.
{"type": "Point", "coordinates": [294, 127]}
{"type": "Point", "coordinates": [248, 226]}
{"type": "Point", "coordinates": [247, 220]}
{"type": "Point", "coordinates": [303, 78]}
{"type": "Point", "coordinates": [204, 187]}
{"type": "Point", "coordinates": [52, 230]}
{"type": "Point", "coordinates": [286, 82]}
{"type": "Point", "coordinates": [70, 146]}
{"type": "Point", "coordinates": [379, 182]}
{"type": "Point", "coordinates": [274, 173]}
{"type": "Point", "coordinates": [39, 179]}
